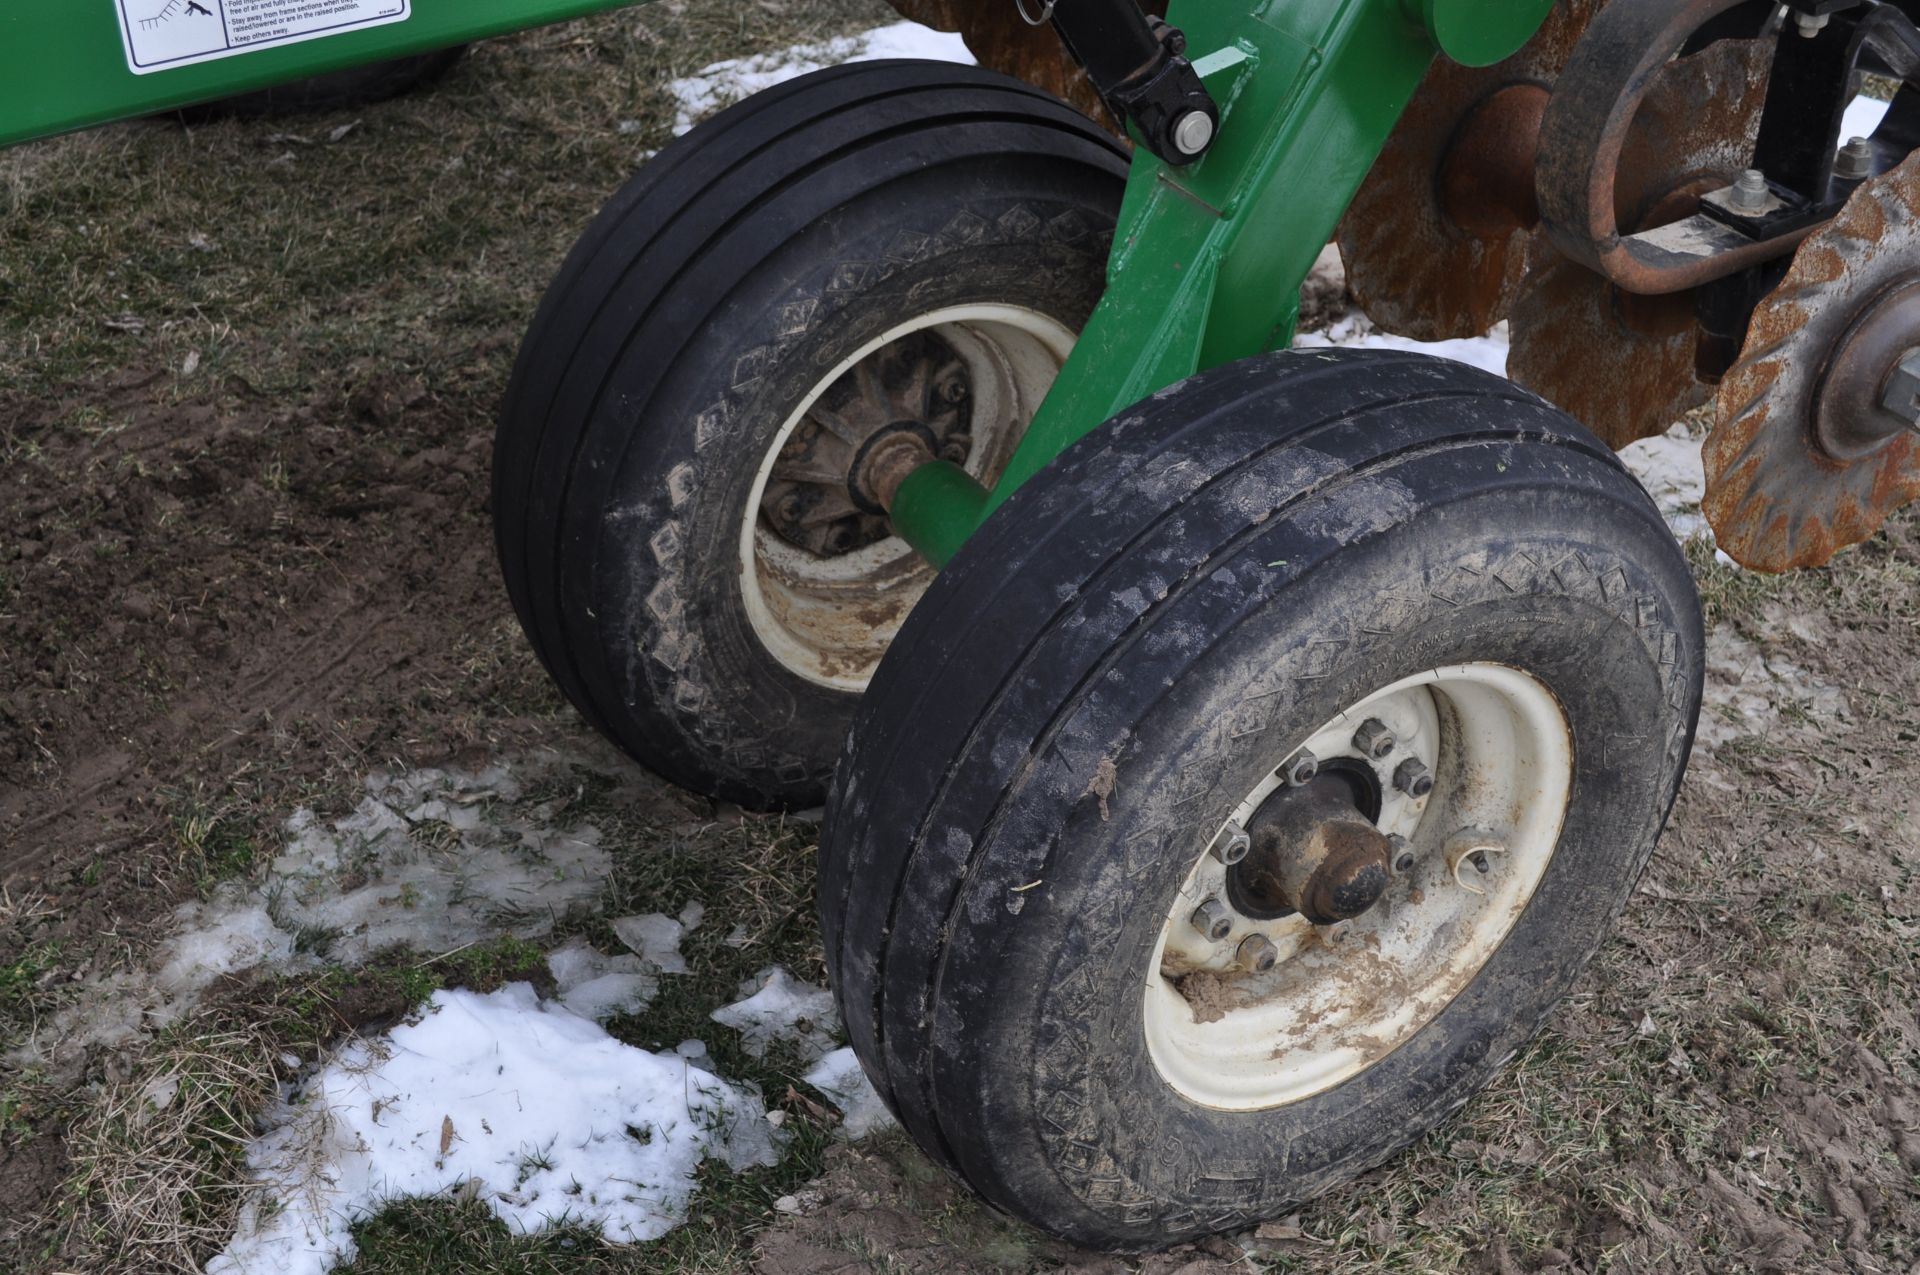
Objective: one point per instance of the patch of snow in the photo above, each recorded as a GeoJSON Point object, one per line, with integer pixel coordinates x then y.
{"type": "Point", "coordinates": [655, 939]}
{"type": "Point", "coordinates": [514, 1102]}
{"type": "Point", "coordinates": [720, 85]}
{"type": "Point", "coordinates": [1670, 468]}
{"type": "Point", "coordinates": [783, 1008]}
{"type": "Point", "coordinates": [1356, 331]}
{"type": "Point", "coordinates": [430, 859]}
{"type": "Point", "coordinates": [1747, 687]}
{"type": "Point", "coordinates": [840, 1077]}
{"type": "Point", "coordinates": [596, 986]}
{"type": "Point", "coordinates": [221, 943]}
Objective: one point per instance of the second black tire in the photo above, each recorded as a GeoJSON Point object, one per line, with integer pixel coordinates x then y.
{"type": "Point", "coordinates": [1144, 634]}
{"type": "Point", "coordinates": [715, 293]}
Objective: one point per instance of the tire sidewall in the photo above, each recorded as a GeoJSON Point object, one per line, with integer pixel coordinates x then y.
{"type": "Point", "coordinates": [666, 561]}
{"type": "Point", "coordinates": [1045, 1059]}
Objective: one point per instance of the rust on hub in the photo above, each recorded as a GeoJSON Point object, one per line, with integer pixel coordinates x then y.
{"type": "Point", "coordinates": [1313, 853]}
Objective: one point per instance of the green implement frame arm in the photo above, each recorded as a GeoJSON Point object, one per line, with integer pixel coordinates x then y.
{"type": "Point", "coordinates": [1208, 260]}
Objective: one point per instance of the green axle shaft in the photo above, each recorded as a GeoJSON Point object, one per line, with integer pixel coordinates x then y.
{"type": "Point", "coordinates": [1208, 260]}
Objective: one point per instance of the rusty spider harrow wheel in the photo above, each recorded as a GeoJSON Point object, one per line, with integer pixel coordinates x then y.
{"type": "Point", "coordinates": [1817, 440]}
{"type": "Point", "coordinates": [1624, 364]}
{"type": "Point", "coordinates": [1438, 238]}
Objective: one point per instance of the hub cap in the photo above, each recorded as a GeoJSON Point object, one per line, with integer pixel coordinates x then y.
{"type": "Point", "coordinates": [1340, 997]}
{"type": "Point", "coordinates": [826, 584]}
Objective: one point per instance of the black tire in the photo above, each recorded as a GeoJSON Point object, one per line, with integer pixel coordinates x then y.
{"type": "Point", "coordinates": [337, 90]}
{"type": "Point", "coordinates": [700, 308]}
{"type": "Point", "coordinates": [1161, 614]}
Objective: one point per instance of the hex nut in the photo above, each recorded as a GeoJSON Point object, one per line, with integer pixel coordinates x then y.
{"type": "Point", "coordinates": [1258, 953]}
{"type": "Point", "coordinates": [1374, 740]}
{"type": "Point", "coordinates": [1404, 860]}
{"type": "Point", "coordinates": [1213, 920]}
{"type": "Point", "coordinates": [1300, 769]}
{"type": "Point", "coordinates": [1902, 393]}
{"type": "Point", "coordinates": [1231, 846]}
{"type": "Point", "coordinates": [1413, 778]}
{"type": "Point", "coordinates": [1855, 160]}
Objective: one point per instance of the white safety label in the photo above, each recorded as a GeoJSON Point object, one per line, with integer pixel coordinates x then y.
{"type": "Point", "coordinates": [162, 34]}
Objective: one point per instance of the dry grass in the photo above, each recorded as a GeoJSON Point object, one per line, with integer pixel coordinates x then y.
{"type": "Point", "coordinates": [159, 1161]}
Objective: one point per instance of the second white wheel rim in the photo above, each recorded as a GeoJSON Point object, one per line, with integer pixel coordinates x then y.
{"type": "Point", "coordinates": [1341, 999]}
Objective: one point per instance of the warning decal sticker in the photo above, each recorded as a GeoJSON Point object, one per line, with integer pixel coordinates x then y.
{"type": "Point", "coordinates": [160, 34]}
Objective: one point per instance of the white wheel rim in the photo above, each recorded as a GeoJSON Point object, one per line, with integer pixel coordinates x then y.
{"type": "Point", "coordinates": [1339, 1000]}
{"type": "Point", "coordinates": [830, 619]}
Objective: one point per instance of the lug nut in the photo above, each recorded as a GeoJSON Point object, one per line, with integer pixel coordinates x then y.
{"type": "Point", "coordinates": [1258, 953]}
{"type": "Point", "coordinates": [1403, 857]}
{"type": "Point", "coordinates": [1374, 739]}
{"type": "Point", "coordinates": [1855, 161]}
{"type": "Point", "coordinates": [1231, 845]}
{"type": "Point", "coordinates": [1413, 778]}
{"type": "Point", "coordinates": [1300, 768]}
{"type": "Point", "coordinates": [1751, 193]}
{"type": "Point", "coordinates": [1194, 132]}
{"type": "Point", "coordinates": [1213, 920]}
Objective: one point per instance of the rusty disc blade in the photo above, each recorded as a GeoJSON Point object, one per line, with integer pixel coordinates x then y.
{"type": "Point", "coordinates": [1411, 264]}
{"type": "Point", "coordinates": [1003, 41]}
{"type": "Point", "coordinates": [1775, 496]}
{"type": "Point", "coordinates": [1616, 363]}
{"type": "Point", "coordinates": [1624, 364]}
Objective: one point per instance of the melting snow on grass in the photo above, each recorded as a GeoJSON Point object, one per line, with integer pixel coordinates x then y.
{"type": "Point", "coordinates": [507, 1100]}
{"type": "Point", "coordinates": [428, 859]}
{"type": "Point", "coordinates": [779, 1007]}
{"type": "Point", "coordinates": [840, 1077]}
{"type": "Point", "coordinates": [724, 83]}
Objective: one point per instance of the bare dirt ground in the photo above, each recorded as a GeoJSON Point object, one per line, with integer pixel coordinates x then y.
{"type": "Point", "coordinates": [247, 373]}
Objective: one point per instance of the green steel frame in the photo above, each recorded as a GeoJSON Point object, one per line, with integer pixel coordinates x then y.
{"type": "Point", "coordinates": [63, 67]}
{"type": "Point", "coordinates": [1208, 260]}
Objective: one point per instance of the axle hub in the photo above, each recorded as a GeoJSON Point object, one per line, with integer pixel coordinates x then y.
{"type": "Point", "coordinates": [1314, 852]}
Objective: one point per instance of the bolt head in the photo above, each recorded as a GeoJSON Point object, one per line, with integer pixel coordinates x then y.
{"type": "Point", "coordinates": [1232, 845]}
{"type": "Point", "coordinates": [1194, 133]}
{"type": "Point", "coordinates": [1902, 393]}
{"type": "Point", "coordinates": [1213, 920]}
{"type": "Point", "coordinates": [1480, 862]}
{"type": "Point", "coordinates": [1374, 739]}
{"type": "Point", "coordinates": [1811, 24]}
{"type": "Point", "coordinates": [1413, 778]}
{"type": "Point", "coordinates": [1855, 160]}
{"type": "Point", "coordinates": [1751, 193]}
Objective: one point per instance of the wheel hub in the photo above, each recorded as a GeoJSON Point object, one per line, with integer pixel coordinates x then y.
{"type": "Point", "coordinates": [1314, 851]}
{"type": "Point", "coordinates": [822, 496]}
{"type": "Point", "coordinates": [1854, 417]}
{"type": "Point", "coordinates": [1371, 892]}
